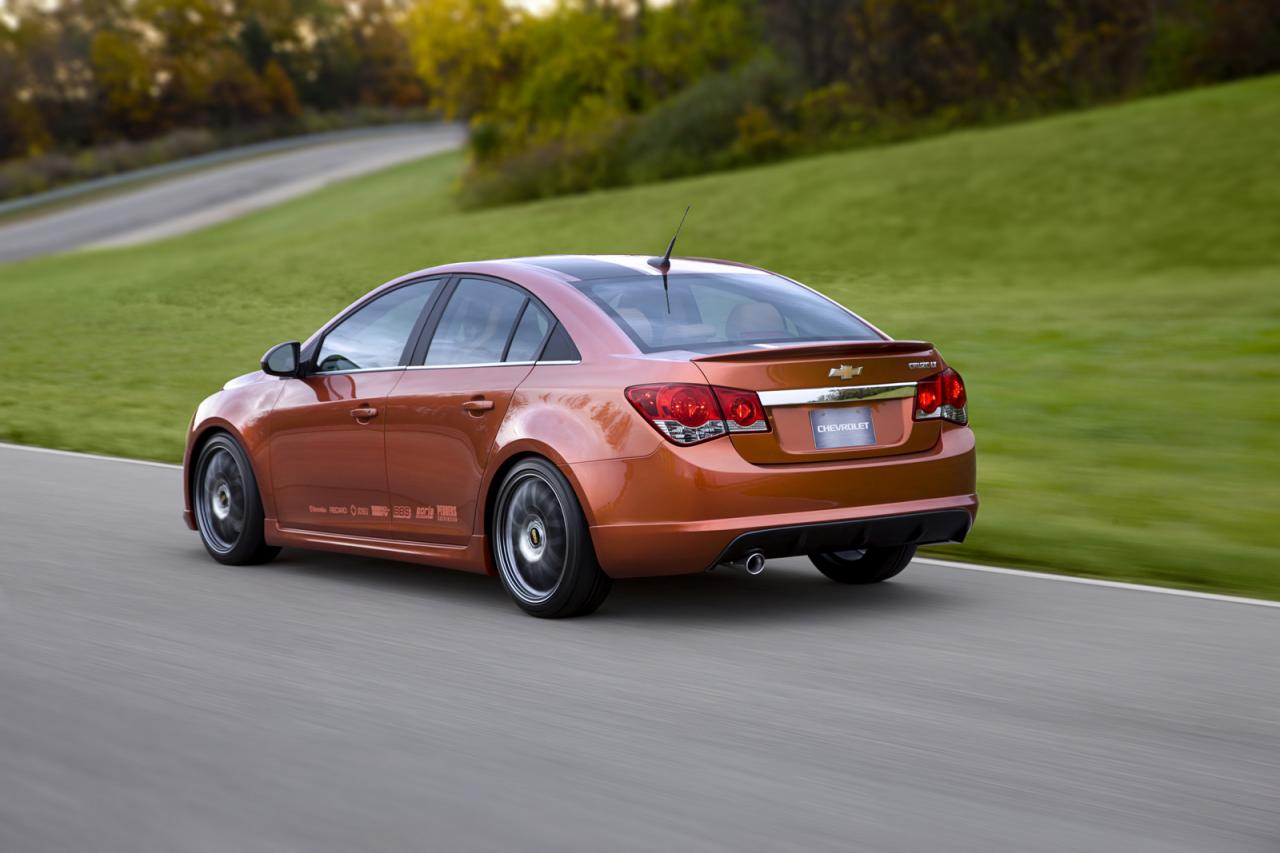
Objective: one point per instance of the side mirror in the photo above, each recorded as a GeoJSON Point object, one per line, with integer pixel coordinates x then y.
{"type": "Point", "coordinates": [282, 359]}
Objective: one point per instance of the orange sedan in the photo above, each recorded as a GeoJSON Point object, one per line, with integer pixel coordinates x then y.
{"type": "Point", "coordinates": [562, 421]}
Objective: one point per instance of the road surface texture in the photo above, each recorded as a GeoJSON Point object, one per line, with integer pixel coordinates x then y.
{"type": "Point", "coordinates": [151, 699]}
{"type": "Point", "coordinates": [180, 204]}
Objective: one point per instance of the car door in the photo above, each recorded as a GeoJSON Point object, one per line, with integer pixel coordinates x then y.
{"type": "Point", "coordinates": [443, 415]}
{"type": "Point", "coordinates": [327, 435]}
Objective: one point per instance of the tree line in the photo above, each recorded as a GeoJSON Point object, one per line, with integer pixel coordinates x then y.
{"type": "Point", "coordinates": [591, 93]}
{"type": "Point", "coordinates": [78, 73]}
{"type": "Point", "coordinates": [597, 93]}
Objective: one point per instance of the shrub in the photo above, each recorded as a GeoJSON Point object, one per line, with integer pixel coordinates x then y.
{"type": "Point", "coordinates": [696, 130]}
{"type": "Point", "coordinates": [723, 120]}
{"type": "Point", "coordinates": [587, 161]}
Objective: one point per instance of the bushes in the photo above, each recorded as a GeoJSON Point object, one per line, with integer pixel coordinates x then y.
{"type": "Point", "coordinates": [723, 120]}
{"type": "Point", "coordinates": [586, 162]}
{"type": "Point", "coordinates": [699, 128]}
{"type": "Point", "coordinates": [857, 72]}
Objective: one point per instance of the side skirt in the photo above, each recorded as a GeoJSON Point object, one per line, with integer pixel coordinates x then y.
{"type": "Point", "coordinates": [473, 557]}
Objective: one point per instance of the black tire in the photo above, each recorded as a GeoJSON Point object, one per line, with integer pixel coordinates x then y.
{"type": "Point", "coordinates": [541, 544]}
{"type": "Point", "coordinates": [872, 566]}
{"type": "Point", "coordinates": [228, 506]}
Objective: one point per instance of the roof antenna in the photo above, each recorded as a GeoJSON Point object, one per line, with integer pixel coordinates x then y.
{"type": "Point", "coordinates": [663, 264]}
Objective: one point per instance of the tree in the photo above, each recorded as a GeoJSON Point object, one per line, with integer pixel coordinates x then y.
{"type": "Point", "coordinates": [123, 71]}
{"type": "Point", "coordinates": [462, 50]}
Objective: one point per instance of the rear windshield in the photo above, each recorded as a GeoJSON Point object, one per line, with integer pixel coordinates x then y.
{"type": "Point", "coordinates": [719, 312]}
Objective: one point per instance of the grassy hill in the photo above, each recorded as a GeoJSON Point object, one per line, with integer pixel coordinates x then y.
{"type": "Point", "coordinates": [1108, 282]}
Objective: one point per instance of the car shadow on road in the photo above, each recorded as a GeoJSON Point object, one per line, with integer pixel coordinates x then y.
{"type": "Point", "coordinates": [779, 594]}
{"type": "Point", "coordinates": [787, 591]}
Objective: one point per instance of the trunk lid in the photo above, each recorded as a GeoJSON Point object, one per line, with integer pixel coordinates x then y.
{"type": "Point", "coordinates": [831, 402]}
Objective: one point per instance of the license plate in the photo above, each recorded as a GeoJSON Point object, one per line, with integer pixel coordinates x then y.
{"type": "Point", "coordinates": [842, 427]}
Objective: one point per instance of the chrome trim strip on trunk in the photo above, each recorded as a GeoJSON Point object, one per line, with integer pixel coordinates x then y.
{"type": "Point", "coordinates": [838, 394]}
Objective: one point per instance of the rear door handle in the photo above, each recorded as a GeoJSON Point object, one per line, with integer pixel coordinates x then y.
{"type": "Point", "coordinates": [478, 405]}
{"type": "Point", "coordinates": [363, 413]}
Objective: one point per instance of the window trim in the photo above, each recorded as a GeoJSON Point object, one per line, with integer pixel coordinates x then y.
{"type": "Point", "coordinates": [308, 357]}
{"type": "Point", "coordinates": [511, 335]}
{"type": "Point", "coordinates": [417, 361]}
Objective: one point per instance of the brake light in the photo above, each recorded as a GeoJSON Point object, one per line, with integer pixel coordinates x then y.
{"type": "Point", "coordinates": [928, 396]}
{"type": "Point", "coordinates": [688, 414]}
{"type": "Point", "coordinates": [942, 396]}
{"type": "Point", "coordinates": [953, 389]}
{"type": "Point", "coordinates": [743, 411]}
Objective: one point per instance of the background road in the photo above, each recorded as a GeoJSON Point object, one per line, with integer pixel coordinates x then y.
{"type": "Point", "coordinates": [152, 699]}
{"type": "Point", "coordinates": [186, 202]}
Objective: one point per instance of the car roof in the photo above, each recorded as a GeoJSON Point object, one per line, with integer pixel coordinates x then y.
{"type": "Point", "coordinates": [588, 267]}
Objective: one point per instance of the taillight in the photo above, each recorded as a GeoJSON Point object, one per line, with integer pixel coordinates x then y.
{"type": "Point", "coordinates": [942, 396]}
{"type": "Point", "coordinates": [743, 411]}
{"type": "Point", "coordinates": [688, 414]}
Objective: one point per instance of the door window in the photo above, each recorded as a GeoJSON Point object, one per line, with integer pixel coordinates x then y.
{"type": "Point", "coordinates": [476, 324]}
{"type": "Point", "coordinates": [376, 334]}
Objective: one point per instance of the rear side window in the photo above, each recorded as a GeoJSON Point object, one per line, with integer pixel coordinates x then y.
{"type": "Point", "coordinates": [530, 332]}
{"type": "Point", "coordinates": [706, 312]}
{"type": "Point", "coordinates": [375, 335]}
{"type": "Point", "coordinates": [476, 324]}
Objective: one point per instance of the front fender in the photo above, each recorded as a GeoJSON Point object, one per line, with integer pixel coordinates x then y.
{"type": "Point", "coordinates": [242, 412]}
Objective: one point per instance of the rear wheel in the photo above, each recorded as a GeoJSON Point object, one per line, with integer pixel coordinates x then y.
{"type": "Point", "coordinates": [869, 565]}
{"type": "Point", "coordinates": [542, 546]}
{"type": "Point", "coordinates": [227, 505]}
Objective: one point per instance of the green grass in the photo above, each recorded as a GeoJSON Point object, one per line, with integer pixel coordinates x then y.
{"type": "Point", "coordinates": [1108, 282]}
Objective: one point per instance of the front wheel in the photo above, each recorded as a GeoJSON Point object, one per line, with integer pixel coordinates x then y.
{"type": "Point", "coordinates": [870, 565]}
{"type": "Point", "coordinates": [228, 508]}
{"type": "Point", "coordinates": [541, 544]}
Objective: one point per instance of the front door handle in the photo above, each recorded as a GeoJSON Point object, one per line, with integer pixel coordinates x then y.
{"type": "Point", "coordinates": [476, 406]}
{"type": "Point", "coordinates": [363, 413]}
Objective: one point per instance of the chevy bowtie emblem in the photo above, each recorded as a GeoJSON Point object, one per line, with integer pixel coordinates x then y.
{"type": "Point", "coordinates": [845, 371]}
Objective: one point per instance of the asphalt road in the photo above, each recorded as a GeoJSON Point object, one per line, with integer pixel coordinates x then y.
{"type": "Point", "coordinates": [151, 699]}
{"type": "Point", "coordinates": [186, 202]}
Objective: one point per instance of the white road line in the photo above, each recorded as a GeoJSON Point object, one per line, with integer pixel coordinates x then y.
{"type": "Point", "coordinates": [99, 457]}
{"type": "Point", "coordinates": [929, 561]}
{"type": "Point", "coordinates": [1136, 587]}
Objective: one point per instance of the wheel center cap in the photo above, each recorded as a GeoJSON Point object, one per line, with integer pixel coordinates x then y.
{"type": "Point", "coordinates": [534, 540]}
{"type": "Point", "coordinates": [221, 501]}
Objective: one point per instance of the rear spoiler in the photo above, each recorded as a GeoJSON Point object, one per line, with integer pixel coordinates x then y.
{"type": "Point", "coordinates": [832, 350]}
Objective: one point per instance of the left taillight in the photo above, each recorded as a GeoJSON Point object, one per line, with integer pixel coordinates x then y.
{"type": "Point", "coordinates": [942, 396]}
{"type": "Point", "coordinates": [687, 414]}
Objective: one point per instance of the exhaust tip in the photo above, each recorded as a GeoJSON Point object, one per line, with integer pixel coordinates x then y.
{"type": "Point", "coordinates": [754, 563]}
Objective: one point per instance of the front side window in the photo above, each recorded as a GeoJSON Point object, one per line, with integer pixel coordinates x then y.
{"type": "Point", "coordinates": [476, 324]}
{"type": "Point", "coordinates": [706, 312]}
{"type": "Point", "coordinates": [376, 334]}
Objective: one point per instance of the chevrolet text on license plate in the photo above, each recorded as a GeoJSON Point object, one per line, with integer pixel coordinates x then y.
{"type": "Point", "coordinates": [842, 427]}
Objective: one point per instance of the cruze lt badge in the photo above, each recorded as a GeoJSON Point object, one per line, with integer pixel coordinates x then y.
{"type": "Point", "coordinates": [844, 371]}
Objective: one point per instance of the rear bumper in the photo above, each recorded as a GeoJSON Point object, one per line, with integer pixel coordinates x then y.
{"type": "Point", "coordinates": [681, 510]}
{"type": "Point", "coordinates": [920, 528]}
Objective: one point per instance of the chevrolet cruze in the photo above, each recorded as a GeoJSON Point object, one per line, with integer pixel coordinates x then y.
{"type": "Point", "coordinates": [563, 421]}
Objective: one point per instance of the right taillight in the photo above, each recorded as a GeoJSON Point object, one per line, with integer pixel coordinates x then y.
{"type": "Point", "coordinates": [942, 396]}
{"type": "Point", "coordinates": [688, 413]}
